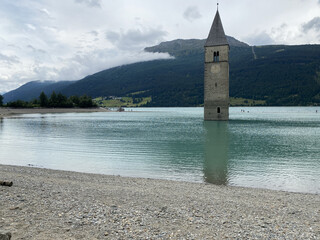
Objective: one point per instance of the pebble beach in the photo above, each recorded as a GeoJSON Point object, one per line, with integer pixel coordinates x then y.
{"type": "Point", "coordinates": [9, 112]}
{"type": "Point", "coordinates": [51, 204]}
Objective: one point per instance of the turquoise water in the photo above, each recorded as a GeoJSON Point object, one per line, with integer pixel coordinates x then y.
{"type": "Point", "coordinates": [266, 147]}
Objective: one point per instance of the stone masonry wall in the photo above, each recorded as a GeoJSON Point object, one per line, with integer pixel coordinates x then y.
{"type": "Point", "coordinates": [216, 83]}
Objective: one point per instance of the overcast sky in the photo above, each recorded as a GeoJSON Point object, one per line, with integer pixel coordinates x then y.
{"type": "Point", "coordinates": [70, 39]}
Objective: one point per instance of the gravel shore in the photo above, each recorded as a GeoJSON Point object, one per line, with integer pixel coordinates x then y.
{"type": "Point", "coordinates": [49, 204]}
{"type": "Point", "coordinates": [6, 112]}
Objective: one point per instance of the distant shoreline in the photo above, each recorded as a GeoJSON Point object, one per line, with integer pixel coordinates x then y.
{"type": "Point", "coordinates": [7, 112]}
{"type": "Point", "coordinates": [53, 204]}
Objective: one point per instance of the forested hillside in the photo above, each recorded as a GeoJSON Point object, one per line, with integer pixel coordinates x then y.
{"type": "Point", "coordinates": [282, 75]}
{"type": "Point", "coordinates": [32, 90]}
{"type": "Point", "coordinates": [279, 75]}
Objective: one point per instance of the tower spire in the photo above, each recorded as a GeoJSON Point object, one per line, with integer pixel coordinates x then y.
{"type": "Point", "coordinates": [216, 36]}
{"type": "Point", "coordinates": [216, 73]}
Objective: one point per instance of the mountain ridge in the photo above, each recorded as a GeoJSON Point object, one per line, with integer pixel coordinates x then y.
{"type": "Point", "coordinates": [277, 74]}
{"type": "Point", "coordinates": [31, 90]}
{"type": "Point", "coordinates": [178, 46]}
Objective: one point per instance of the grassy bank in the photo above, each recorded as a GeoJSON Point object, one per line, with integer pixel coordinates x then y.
{"type": "Point", "coordinates": [142, 101]}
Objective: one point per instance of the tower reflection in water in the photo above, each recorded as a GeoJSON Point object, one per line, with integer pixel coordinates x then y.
{"type": "Point", "coordinates": [216, 152]}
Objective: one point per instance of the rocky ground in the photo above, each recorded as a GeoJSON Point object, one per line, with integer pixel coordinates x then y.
{"type": "Point", "coordinates": [48, 204]}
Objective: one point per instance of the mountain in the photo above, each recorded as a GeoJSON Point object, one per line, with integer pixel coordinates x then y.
{"type": "Point", "coordinates": [172, 82]}
{"type": "Point", "coordinates": [281, 75]}
{"type": "Point", "coordinates": [32, 90]}
{"type": "Point", "coordinates": [181, 47]}
{"type": "Point", "coordinates": [277, 74]}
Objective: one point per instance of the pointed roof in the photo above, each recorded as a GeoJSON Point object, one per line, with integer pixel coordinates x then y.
{"type": "Point", "coordinates": [216, 36]}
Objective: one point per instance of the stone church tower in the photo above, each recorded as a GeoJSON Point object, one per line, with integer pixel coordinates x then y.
{"type": "Point", "coordinates": [216, 74]}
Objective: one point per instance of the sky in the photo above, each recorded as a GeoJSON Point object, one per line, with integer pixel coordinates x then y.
{"type": "Point", "coordinates": [70, 39]}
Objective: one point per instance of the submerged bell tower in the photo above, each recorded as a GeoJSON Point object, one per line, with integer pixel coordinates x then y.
{"type": "Point", "coordinates": [216, 73]}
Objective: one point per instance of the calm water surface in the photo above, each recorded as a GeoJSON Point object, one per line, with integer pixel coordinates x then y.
{"type": "Point", "coordinates": [275, 147]}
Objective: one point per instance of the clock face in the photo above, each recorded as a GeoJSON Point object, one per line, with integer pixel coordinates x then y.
{"type": "Point", "coordinates": [215, 68]}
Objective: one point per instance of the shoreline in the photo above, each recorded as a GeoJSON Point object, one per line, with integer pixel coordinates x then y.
{"type": "Point", "coordinates": [54, 204]}
{"type": "Point", "coordinates": [7, 112]}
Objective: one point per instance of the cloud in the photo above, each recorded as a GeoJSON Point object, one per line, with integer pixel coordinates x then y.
{"type": "Point", "coordinates": [83, 64]}
{"type": "Point", "coordinates": [68, 47]}
{"type": "Point", "coordinates": [261, 38]}
{"type": "Point", "coordinates": [113, 36]}
{"type": "Point", "coordinates": [94, 33]}
{"type": "Point", "coordinates": [135, 38]}
{"type": "Point", "coordinates": [90, 3]}
{"type": "Point", "coordinates": [45, 11]}
{"type": "Point", "coordinates": [45, 66]}
{"type": "Point", "coordinates": [192, 13]}
{"type": "Point", "coordinates": [313, 24]}
{"type": "Point", "coordinates": [31, 27]}
{"type": "Point", "coordinates": [35, 49]}
{"type": "Point", "coordinates": [9, 60]}
{"type": "Point", "coordinates": [58, 40]}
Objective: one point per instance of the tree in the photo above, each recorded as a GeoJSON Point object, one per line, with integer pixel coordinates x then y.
{"type": "Point", "coordinates": [1, 100]}
{"type": "Point", "coordinates": [19, 104]}
{"type": "Point", "coordinates": [63, 101]}
{"type": "Point", "coordinates": [75, 100]}
{"type": "Point", "coordinates": [86, 102]}
{"type": "Point", "coordinates": [43, 100]}
{"type": "Point", "coordinates": [35, 102]}
{"type": "Point", "coordinates": [53, 101]}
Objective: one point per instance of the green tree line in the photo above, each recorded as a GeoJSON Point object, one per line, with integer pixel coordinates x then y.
{"type": "Point", "coordinates": [1, 100]}
{"type": "Point", "coordinates": [54, 101]}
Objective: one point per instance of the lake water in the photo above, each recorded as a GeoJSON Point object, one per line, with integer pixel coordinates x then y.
{"type": "Point", "coordinates": [264, 147]}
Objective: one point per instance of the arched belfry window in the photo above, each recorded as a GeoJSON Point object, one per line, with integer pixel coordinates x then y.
{"type": "Point", "coordinates": [218, 110]}
{"type": "Point", "coordinates": [216, 56]}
